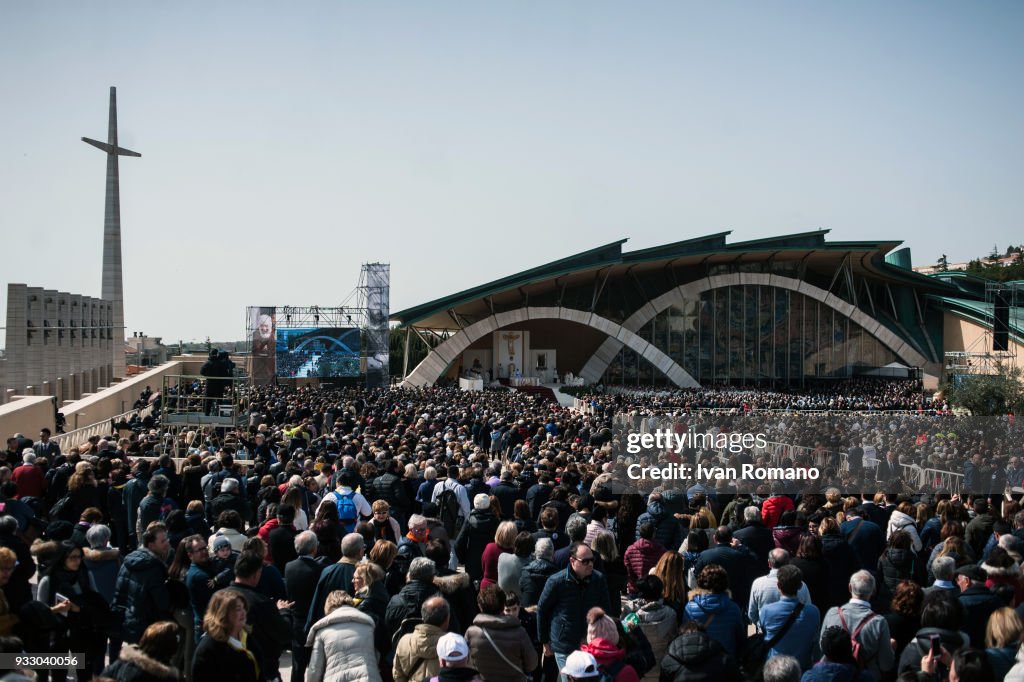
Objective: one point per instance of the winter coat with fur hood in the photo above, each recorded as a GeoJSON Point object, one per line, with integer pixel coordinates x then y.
{"type": "Point", "coordinates": [135, 666]}
{"type": "Point", "coordinates": [1006, 576]}
{"type": "Point", "coordinates": [510, 639]}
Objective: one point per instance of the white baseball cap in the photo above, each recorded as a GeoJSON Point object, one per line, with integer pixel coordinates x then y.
{"type": "Point", "coordinates": [452, 647]}
{"type": "Point", "coordinates": [581, 664]}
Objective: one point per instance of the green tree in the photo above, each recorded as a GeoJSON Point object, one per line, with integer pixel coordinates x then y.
{"type": "Point", "coordinates": [943, 263]}
{"type": "Point", "coordinates": [988, 394]}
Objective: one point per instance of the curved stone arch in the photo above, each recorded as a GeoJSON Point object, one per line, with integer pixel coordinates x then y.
{"type": "Point", "coordinates": [439, 359]}
{"type": "Point", "coordinates": [595, 367]}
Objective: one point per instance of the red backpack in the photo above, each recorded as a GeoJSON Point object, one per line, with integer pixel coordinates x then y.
{"type": "Point", "coordinates": [858, 653]}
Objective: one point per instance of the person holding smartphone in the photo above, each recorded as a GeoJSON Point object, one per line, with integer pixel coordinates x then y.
{"type": "Point", "coordinates": [69, 590]}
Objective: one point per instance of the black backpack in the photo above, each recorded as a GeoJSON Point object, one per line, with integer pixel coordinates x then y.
{"type": "Point", "coordinates": [448, 510]}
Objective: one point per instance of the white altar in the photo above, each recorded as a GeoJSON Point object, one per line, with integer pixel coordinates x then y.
{"type": "Point", "coordinates": [471, 384]}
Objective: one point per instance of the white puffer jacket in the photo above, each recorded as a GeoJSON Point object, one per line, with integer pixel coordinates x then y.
{"type": "Point", "coordinates": [901, 521]}
{"type": "Point", "coordinates": [343, 649]}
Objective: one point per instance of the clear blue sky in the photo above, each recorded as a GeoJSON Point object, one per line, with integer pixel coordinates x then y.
{"type": "Point", "coordinates": [283, 146]}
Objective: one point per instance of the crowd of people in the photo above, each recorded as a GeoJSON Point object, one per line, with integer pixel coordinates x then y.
{"type": "Point", "coordinates": [438, 534]}
{"type": "Point", "coordinates": [861, 394]}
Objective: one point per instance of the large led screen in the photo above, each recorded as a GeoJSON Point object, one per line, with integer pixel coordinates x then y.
{"type": "Point", "coordinates": [324, 352]}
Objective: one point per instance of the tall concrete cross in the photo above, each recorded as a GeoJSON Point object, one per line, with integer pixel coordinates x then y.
{"type": "Point", "coordinates": [113, 288]}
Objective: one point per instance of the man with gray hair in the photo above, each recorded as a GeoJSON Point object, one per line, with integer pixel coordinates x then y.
{"type": "Point", "coordinates": [419, 588]}
{"type": "Point", "coordinates": [765, 589]}
{"type": "Point", "coordinates": [576, 530]}
{"type": "Point", "coordinates": [943, 569]}
{"type": "Point", "coordinates": [781, 669]}
{"type": "Point", "coordinates": [301, 579]}
{"type": "Point", "coordinates": [29, 478]}
{"type": "Point", "coordinates": [230, 497]}
{"type": "Point", "coordinates": [416, 652]}
{"type": "Point", "coordinates": [537, 572]}
{"type": "Point", "coordinates": [754, 534]}
{"type": "Point", "coordinates": [337, 576]}
{"type": "Point", "coordinates": [864, 625]}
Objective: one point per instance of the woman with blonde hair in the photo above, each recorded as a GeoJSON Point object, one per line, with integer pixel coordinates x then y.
{"type": "Point", "coordinates": [614, 570]}
{"type": "Point", "coordinates": [1002, 640]}
{"type": "Point", "coordinates": [223, 654]}
{"type": "Point", "coordinates": [504, 543]}
{"type": "Point", "coordinates": [370, 594]}
{"type": "Point", "coordinates": [342, 643]}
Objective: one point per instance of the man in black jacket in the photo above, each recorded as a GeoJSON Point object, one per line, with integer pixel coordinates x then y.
{"type": "Point", "coordinates": [755, 535]}
{"type": "Point", "coordinates": [739, 562]}
{"type": "Point", "coordinates": [476, 534]}
{"type": "Point", "coordinates": [229, 498]}
{"type": "Point", "coordinates": [407, 603]}
{"type": "Point", "coordinates": [300, 580]}
{"type": "Point", "coordinates": [281, 540]}
{"type": "Point", "coordinates": [979, 602]}
{"type": "Point", "coordinates": [389, 487]}
{"type": "Point", "coordinates": [507, 495]}
{"type": "Point", "coordinates": [539, 493]}
{"type": "Point", "coordinates": [272, 624]}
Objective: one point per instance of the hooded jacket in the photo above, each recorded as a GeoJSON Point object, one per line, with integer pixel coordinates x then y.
{"type": "Point", "coordinates": [894, 566]}
{"type": "Point", "coordinates": [343, 649]}
{"type": "Point", "coordinates": [457, 588]}
{"type": "Point", "coordinates": [842, 563]}
{"type": "Point", "coordinates": [475, 535]}
{"type": "Point", "coordinates": [788, 537]}
{"type": "Point", "coordinates": [640, 558]}
{"type": "Point", "coordinates": [904, 522]}
{"type": "Point", "coordinates": [827, 671]}
{"type": "Point", "coordinates": [532, 579]}
{"type": "Point", "coordinates": [607, 654]}
{"type": "Point", "coordinates": [727, 628]}
{"type": "Point", "coordinates": [667, 530]}
{"type": "Point", "coordinates": [236, 538]}
{"type": "Point", "coordinates": [407, 603]}
{"type": "Point", "coordinates": [142, 591]}
{"type": "Point", "coordinates": [773, 508]}
{"type": "Point", "coordinates": [1006, 576]}
{"type": "Point", "coordinates": [658, 623]}
{"type": "Point", "coordinates": [911, 657]}
{"type": "Point", "coordinates": [510, 639]}
{"type": "Point", "coordinates": [695, 657]}
{"type": "Point", "coordinates": [416, 654]}
{"type": "Point", "coordinates": [134, 666]}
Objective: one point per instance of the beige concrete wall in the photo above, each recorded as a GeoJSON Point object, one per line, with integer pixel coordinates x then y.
{"type": "Point", "coordinates": [120, 397]}
{"type": "Point", "coordinates": [961, 335]}
{"type": "Point", "coordinates": [26, 415]}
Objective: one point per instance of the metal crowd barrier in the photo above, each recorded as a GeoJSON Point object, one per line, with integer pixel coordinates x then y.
{"type": "Point", "coordinates": [72, 439]}
{"type": "Point", "coordinates": [912, 474]}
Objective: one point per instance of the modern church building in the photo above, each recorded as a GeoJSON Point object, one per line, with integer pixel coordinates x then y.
{"type": "Point", "coordinates": [705, 311]}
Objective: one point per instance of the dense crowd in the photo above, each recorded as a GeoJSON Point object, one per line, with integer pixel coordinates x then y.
{"type": "Point", "coordinates": [447, 535]}
{"type": "Point", "coordinates": [845, 394]}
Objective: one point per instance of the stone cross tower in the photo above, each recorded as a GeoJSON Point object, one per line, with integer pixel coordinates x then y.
{"type": "Point", "coordinates": [113, 288]}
